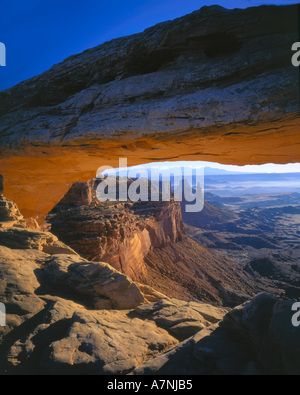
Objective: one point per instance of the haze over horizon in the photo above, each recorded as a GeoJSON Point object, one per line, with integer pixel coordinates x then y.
{"type": "Point", "coordinates": [263, 169]}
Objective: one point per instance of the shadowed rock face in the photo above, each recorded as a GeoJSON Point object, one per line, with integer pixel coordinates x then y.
{"type": "Point", "coordinates": [257, 338]}
{"type": "Point", "coordinates": [1, 185]}
{"type": "Point", "coordinates": [215, 85]}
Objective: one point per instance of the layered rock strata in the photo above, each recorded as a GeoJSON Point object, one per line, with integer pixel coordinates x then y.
{"type": "Point", "coordinates": [65, 315]}
{"type": "Point", "coordinates": [35, 268]}
{"type": "Point", "coordinates": [216, 85]}
{"type": "Point", "coordinates": [120, 233]}
{"type": "Point", "coordinates": [146, 241]}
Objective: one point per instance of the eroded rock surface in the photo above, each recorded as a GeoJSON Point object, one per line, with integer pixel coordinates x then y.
{"type": "Point", "coordinates": [120, 233]}
{"type": "Point", "coordinates": [146, 241]}
{"type": "Point", "coordinates": [98, 284]}
{"type": "Point", "coordinates": [10, 216]}
{"type": "Point", "coordinates": [255, 338]}
{"type": "Point", "coordinates": [182, 319]}
{"type": "Point", "coordinates": [72, 340]}
{"type": "Point", "coordinates": [178, 76]}
{"type": "Point", "coordinates": [34, 266]}
{"type": "Point", "coordinates": [216, 85]}
{"type": "Point", "coordinates": [66, 315]}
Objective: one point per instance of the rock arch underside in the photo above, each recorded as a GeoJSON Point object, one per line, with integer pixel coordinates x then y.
{"type": "Point", "coordinates": [216, 85]}
{"type": "Point", "coordinates": [117, 288]}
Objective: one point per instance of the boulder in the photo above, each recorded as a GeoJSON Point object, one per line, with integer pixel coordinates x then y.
{"type": "Point", "coordinates": [257, 337]}
{"type": "Point", "coordinates": [182, 319]}
{"type": "Point", "coordinates": [72, 340]}
{"type": "Point", "coordinates": [10, 215]}
{"type": "Point", "coordinates": [98, 284]}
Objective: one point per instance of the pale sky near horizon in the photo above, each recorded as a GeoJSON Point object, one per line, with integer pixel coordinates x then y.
{"type": "Point", "coordinates": [266, 168]}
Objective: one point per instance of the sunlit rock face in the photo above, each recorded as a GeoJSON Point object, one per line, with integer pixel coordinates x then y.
{"type": "Point", "coordinates": [147, 242]}
{"type": "Point", "coordinates": [118, 232]}
{"type": "Point", "coordinates": [215, 85]}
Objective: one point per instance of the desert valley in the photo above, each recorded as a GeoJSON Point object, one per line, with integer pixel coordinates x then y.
{"type": "Point", "coordinates": [145, 287]}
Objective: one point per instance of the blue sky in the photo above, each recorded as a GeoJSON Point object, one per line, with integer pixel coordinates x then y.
{"type": "Point", "coordinates": [40, 33]}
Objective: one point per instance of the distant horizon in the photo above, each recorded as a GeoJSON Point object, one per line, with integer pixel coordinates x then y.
{"type": "Point", "coordinates": [268, 168]}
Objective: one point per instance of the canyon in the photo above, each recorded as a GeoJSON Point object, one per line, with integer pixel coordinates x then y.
{"type": "Point", "coordinates": [215, 85]}
{"type": "Point", "coordinates": [260, 233]}
{"type": "Point", "coordinates": [67, 315]}
{"type": "Point", "coordinates": [146, 241]}
{"type": "Point", "coordinates": [219, 256]}
{"type": "Point", "coordinates": [45, 284]}
{"type": "Point", "coordinates": [101, 288]}
{"type": "Point", "coordinates": [120, 233]}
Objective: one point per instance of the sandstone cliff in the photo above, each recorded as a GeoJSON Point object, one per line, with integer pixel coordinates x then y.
{"type": "Point", "coordinates": [146, 241]}
{"type": "Point", "coordinates": [69, 316]}
{"type": "Point", "coordinates": [215, 85]}
{"type": "Point", "coordinates": [66, 315]}
{"type": "Point", "coordinates": [120, 233]}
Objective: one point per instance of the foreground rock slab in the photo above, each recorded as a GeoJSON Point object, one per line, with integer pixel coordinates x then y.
{"type": "Point", "coordinates": [72, 340]}
{"type": "Point", "coordinates": [68, 339]}
{"type": "Point", "coordinates": [255, 338]}
{"type": "Point", "coordinates": [182, 319]}
{"type": "Point", "coordinates": [68, 315]}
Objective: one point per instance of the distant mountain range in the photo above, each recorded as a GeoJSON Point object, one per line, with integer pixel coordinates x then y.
{"type": "Point", "coordinates": [247, 183]}
{"type": "Point", "coordinates": [218, 181]}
